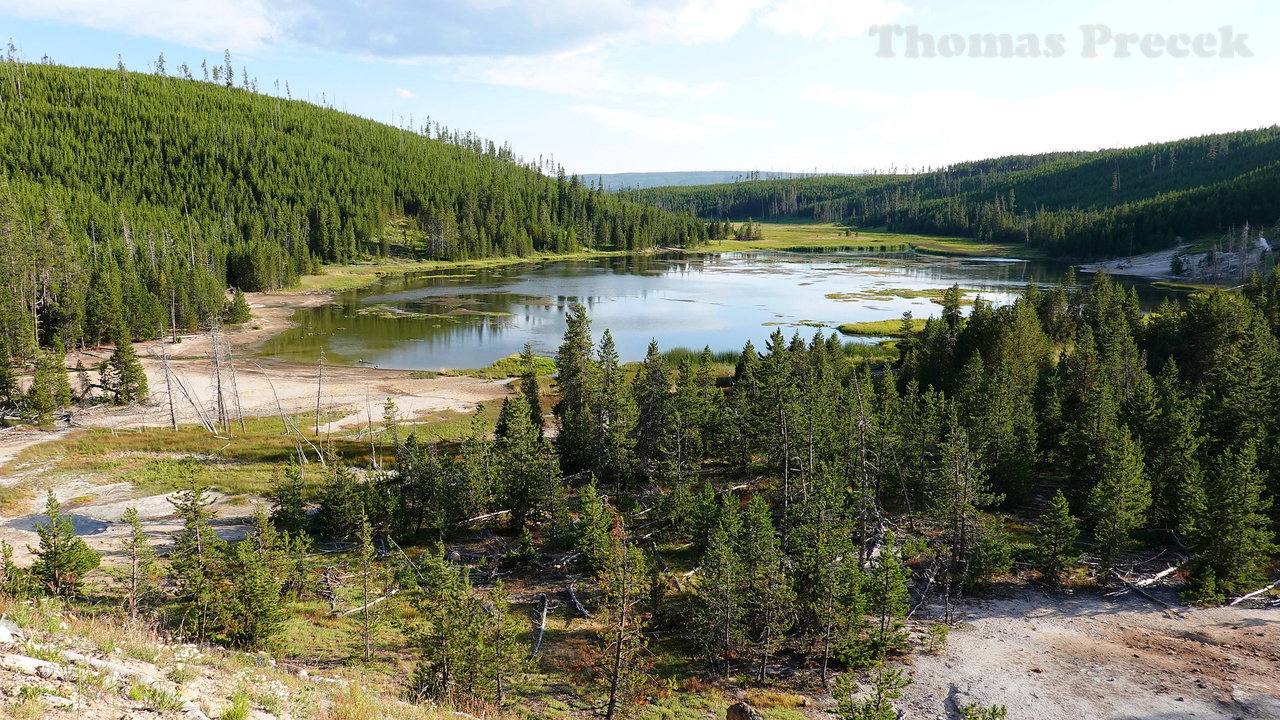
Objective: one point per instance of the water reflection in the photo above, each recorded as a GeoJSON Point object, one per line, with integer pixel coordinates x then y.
{"type": "Point", "coordinates": [469, 318]}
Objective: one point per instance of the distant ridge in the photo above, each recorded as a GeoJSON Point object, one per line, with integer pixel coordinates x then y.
{"type": "Point", "coordinates": [1104, 203]}
{"type": "Point", "coordinates": [640, 180]}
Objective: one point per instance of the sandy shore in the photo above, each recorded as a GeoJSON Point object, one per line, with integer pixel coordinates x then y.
{"type": "Point", "coordinates": [1156, 265]}
{"type": "Point", "coordinates": [267, 386]}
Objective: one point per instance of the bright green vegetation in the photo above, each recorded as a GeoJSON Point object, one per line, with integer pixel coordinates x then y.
{"type": "Point", "coordinates": [353, 276]}
{"type": "Point", "coordinates": [510, 366]}
{"type": "Point", "coordinates": [886, 328]}
{"type": "Point", "coordinates": [130, 202]}
{"type": "Point", "coordinates": [1104, 203]}
{"type": "Point", "coordinates": [820, 237]}
{"type": "Point", "coordinates": [933, 294]}
{"type": "Point", "coordinates": [816, 237]}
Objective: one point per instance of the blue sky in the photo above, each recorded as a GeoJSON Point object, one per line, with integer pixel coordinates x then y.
{"type": "Point", "coordinates": [635, 85]}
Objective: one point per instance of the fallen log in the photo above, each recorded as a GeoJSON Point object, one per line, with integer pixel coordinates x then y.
{"type": "Point", "coordinates": [370, 604]}
{"type": "Point", "coordinates": [32, 666]}
{"type": "Point", "coordinates": [1148, 582]}
{"type": "Point", "coordinates": [658, 556]}
{"type": "Point", "coordinates": [573, 597]}
{"type": "Point", "coordinates": [486, 516]}
{"type": "Point", "coordinates": [1146, 594]}
{"type": "Point", "coordinates": [1254, 594]}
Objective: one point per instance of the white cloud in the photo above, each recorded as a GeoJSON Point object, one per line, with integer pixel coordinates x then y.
{"type": "Point", "coordinates": [241, 25]}
{"type": "Point", "coordinates": [945, 126]}
{"type": "Point", "coordinates": [830, 18]}
{"type": "Point", "coordinates": [416, 30]}
{"type": "Point", "coordinates": [403, 93]}
{"type": "Point", "coordinates": [705, 127]}
{"type": "Point", "coordinates": [584, 76]}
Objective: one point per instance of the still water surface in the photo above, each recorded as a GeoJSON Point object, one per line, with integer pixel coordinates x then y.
{"type": "Point", "coordinates": [465, 318]}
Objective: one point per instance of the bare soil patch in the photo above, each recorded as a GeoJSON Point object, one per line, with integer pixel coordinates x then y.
{"type": "Point", "coordinates": [1085, 656]}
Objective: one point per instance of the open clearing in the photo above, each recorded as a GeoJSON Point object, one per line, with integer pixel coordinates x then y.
{"type": "Point", "coordinates": [1085, 656]}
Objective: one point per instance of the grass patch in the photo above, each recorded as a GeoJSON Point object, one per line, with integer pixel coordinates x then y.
{"type": "Point", "coordinates": [449, 424]}
{"type": "Point", "coordinates": [888, 328]}
{"type": "Point", "coordinates": [835, 237]}
{"type": "Point", "coordinates": [386, 312]}
{"type": "Point", "coordinates": [1185, 286]}
{"type": "Point", "coordinates": [246, 462]}
{"type": "Point", "coordinates": [510, 366]}
{"type": "Point", "coordinates": [338, 278]}
{"type": "Point", "coordinates": [931, 294]}
{"type": "Point", "coordinates": [239, 707]}
{"type": "Point", "coordinates": [967, 247]}
{"type": "Point", "coordinates": [766, 699]}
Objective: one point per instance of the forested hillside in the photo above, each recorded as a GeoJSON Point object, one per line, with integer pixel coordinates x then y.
{"type": "Point", "coordinates": [154, 193]}
{"type": "Point", "coordinates": [1107, 203]}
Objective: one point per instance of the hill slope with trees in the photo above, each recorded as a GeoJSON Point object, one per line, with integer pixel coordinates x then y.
{"type": "Point", "coordinates": [1105, 203]}
{"type": "Point", "coordinates": [155, 193]}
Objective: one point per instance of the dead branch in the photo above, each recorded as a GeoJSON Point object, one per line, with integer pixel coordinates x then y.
{"type": "Point", "coordinates": [542, 626]}
{"type": "Point", "coordinates": [1254, 594]}
{"type": "Point", "coordinates": [1146, 594]}
{"type": "Point", "coordinates": [370, 604]}
{"type": "Point", "coordinates": [1148, 582]}
{"type": "Point", "coordinates": [573, 596]}
{"type": "Point", "coordinates": [486, 516]}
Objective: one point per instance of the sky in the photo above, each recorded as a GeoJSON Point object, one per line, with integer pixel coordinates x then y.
{"type": "Point", "coordinates": [770, 85]}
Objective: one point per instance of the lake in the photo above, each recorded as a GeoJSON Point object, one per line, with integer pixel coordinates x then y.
{"type": "Point", "coordinates": [470, 317]}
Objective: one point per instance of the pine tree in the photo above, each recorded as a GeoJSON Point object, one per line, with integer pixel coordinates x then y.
{"type": "Point", "coordinates": [62, 559]}
{"type": "Point", "coordinates": [247, 605]}
{"type": "Point", "coordinates": [10, 393]}
{"type": "Point", "coordinates": [768, 596]}
{"type": "Point", "coordinates": [592, 533]}
{"type": "Point", "coordinates": [886, 686]}
{"type": "Point", "coordinates": [520, 459]}
{"type": "Point", "coordinates": [195, 557]}
{"type": "Point", "coordinates": [719, 603]}
{"type": "Point", "coordinates": [615, 419]}
{"type": "Point", "coordinates": [619, 663]}
{"type": "Point", "coordinates": [371, 578]}
{"type": "Point", "coordinates": [1119, 501]}
{"type": "Point", "coordinates": [13, 580]}
{"type": "Point", "coordinates": [138, 574]}
{"type": "Point", "coordinates": [476, 490]}
{"type": "Point", "coordinates": [576, 382]}
{"type": "Point", "coordinates": [1056, 551]}
{"type": "Point", "coordinates": [237, 311]}
{"type": "Point", "coordinates": [1233, 540]}
{"type": "Point", "coordinates": [888, 580]}
{"type": "Point", "coordinates": [508, 657]}
{"type": "Point", "coordinates": [50, 389]}
{"type": "Point", "coordinates": [122, 375]}
{"type": "Point", "coordinates": [651, 390]}
{"type": "Point", "coordinates": [342, 502]}
{"type": "Point", "coordinates": [958, 492]}
{"type": "Point", "coordinates": [289, 501]}
{"type": "Point", "coordinates": [529, 386]}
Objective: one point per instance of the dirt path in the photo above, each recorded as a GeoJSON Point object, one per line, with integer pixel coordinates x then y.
{"type": "Point", "coordinates": [1089, 657]}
